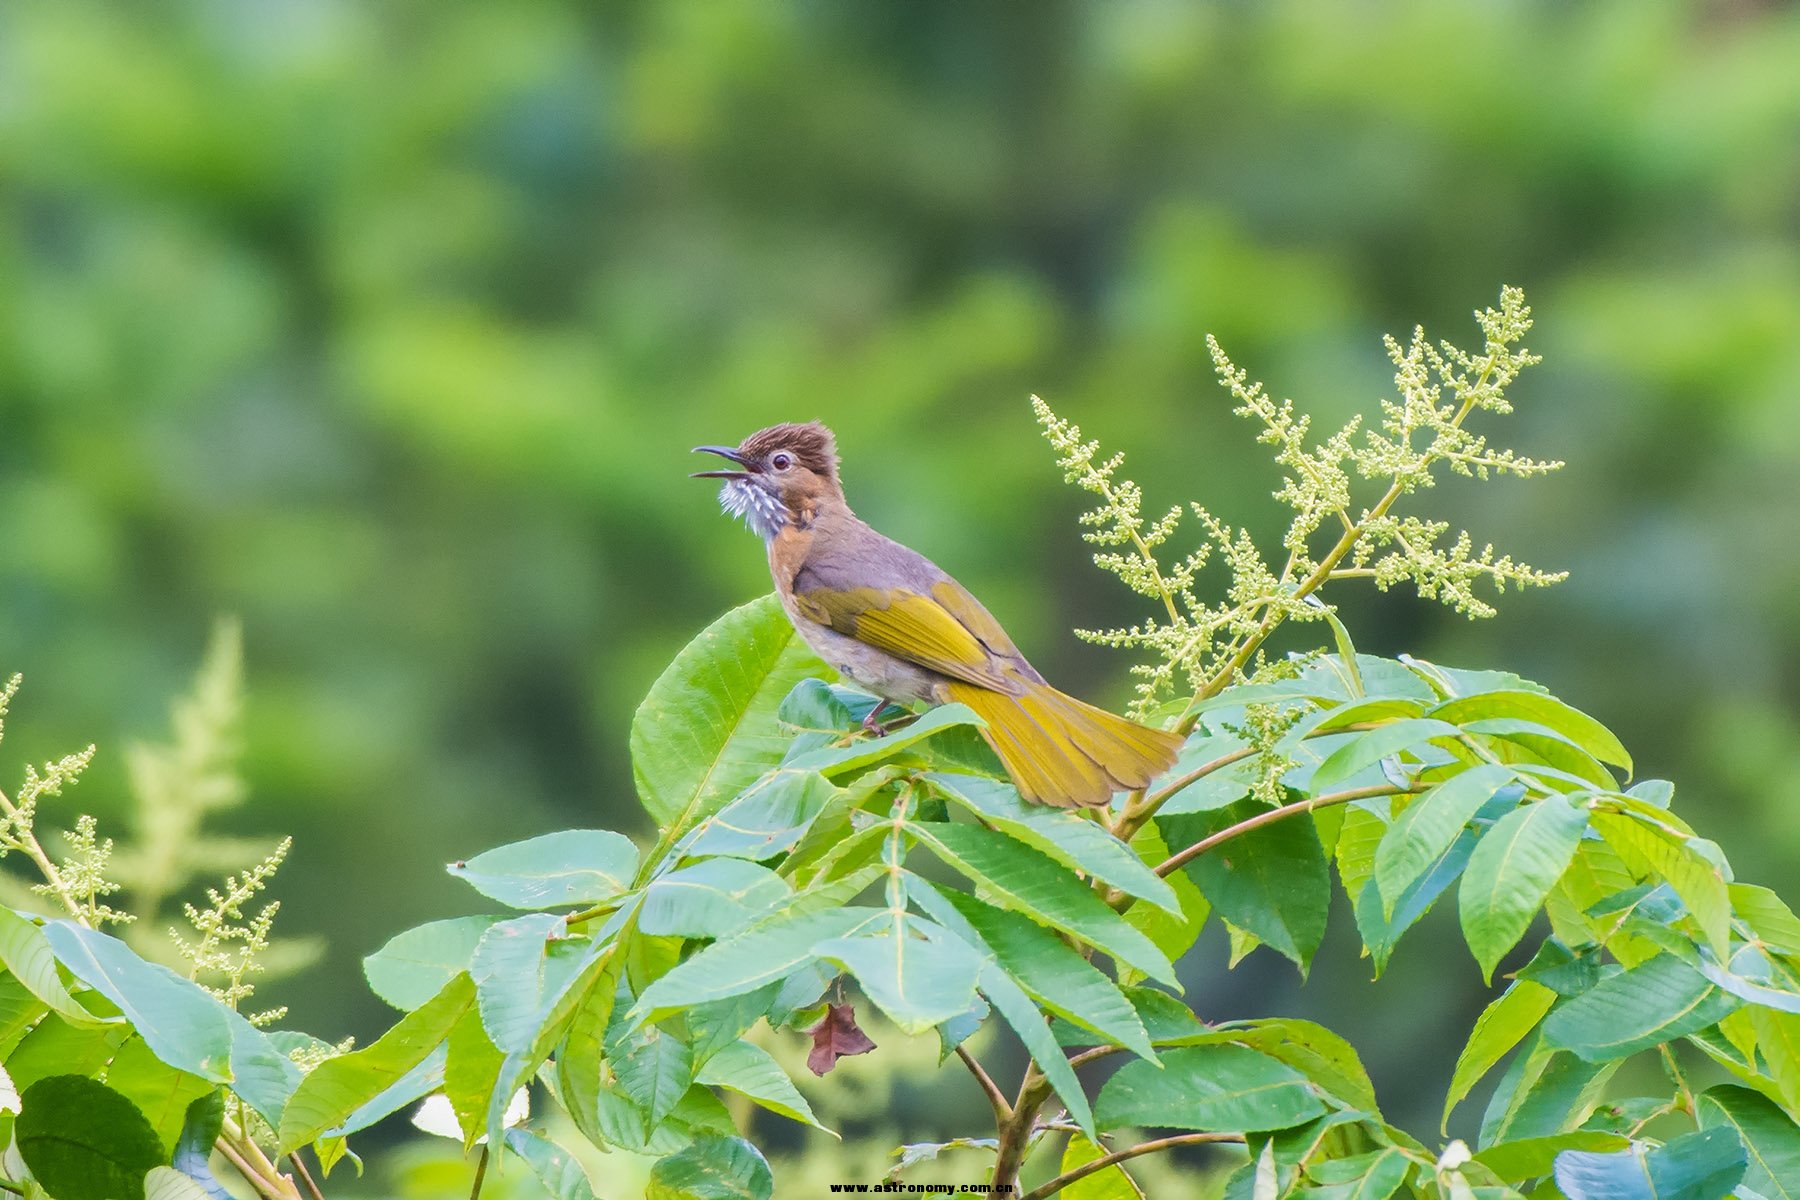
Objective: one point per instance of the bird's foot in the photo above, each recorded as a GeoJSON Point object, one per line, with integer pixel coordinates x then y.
{"type": "Point", "coordinates": [874, 726]}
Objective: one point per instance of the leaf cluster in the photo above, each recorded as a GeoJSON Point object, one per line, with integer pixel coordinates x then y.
{"type": "Point", "coordinates": [802, 861]}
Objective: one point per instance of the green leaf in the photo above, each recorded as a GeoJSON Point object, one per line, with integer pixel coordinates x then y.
{"type": "Point", "coordinates": [1577, 726]}
{"type": "Point", "coordinates": [182, 1023]}
{"type": "Point", "coordinates": [1501, 1026]}
{"type": "Point", "coordinates": [262, 1076]}
{"type": "Point", "coordinates": [1220, 1088]}
{"type": "Point", "coordinates": [553, 1166]}
{"type": "Point", "coordinates": [200, 1128]}
{"type": "Point", "coordinates": [769, 818]}
{"type": "Point", "coordinates": [158, 1091]}
{"type": "Point", "coordinates": [1173, 934]}
{"type": "Point", "coordinates": [712, 1027]}
{"type": "Point", "coordinates": [415, 965]}
{"type": "Point", "coordinates": [710, 899]}
{"type": "Point", "coordinates": [713, 1168]}
{"type": "Point", "coordinates": [1652, 1003]}
{"type": "Point", "coordinates": [1778, 1038]}
{"type": "Point", "coordinates": [1769, 1135]}
{"type": "Point", "coordinates": [411, 1086]}
{"type": "Point", "coordinates": [1055, 976]}
{"type": "Point", "coordinates": [770, 950]}
{"type": "Point", "coordinates": [19, 1011]}
{"type": "Point", "coordinates": [1768, 916]}
{"type": "Point", "coordinates": [517, 967]}
{"type": "Point", "coordinates": [1367, 749]}
{"type": "Point", "coordinates": [1108, 1183]}
{"type": "Point", "coordinates": [1359, 839]}
{"type": "Point", "coordinates": [578, 1064]}
{"type": "Point", "coordinates": [748, 1070]}
{"type": "Point", "coordinates": [471, 1069]}
{"type": "Point", "coordinates": [56, 1047]}
{"type": "Point", "coordinates": [337, 1087]}
{"type": "Point", "coordinates": [1017, 1010]}
{"type": "Point", "coordinates": [1511, 872]}
{"type": "Point", "coordinates": [1378, 1175]}
{"type": "Point", "coordinates": [1530, 1158]}
{"type": "Point", "coordinates": [84, 1141]}
{"type": "Point", "coordinates": [708, 728]}
{"type": "Point", "coordinates": [1041, 888]}
{"type": "Point", "coordinates": [564, 1003]}
{"type": "Point", "coordinates": [25, 951]}
{"type": "Point", "coordinates": [1696, 1166]}
{"type": "Point", "coordinates": [1365, 1177]}
{"type": "Point", "coordinates": [654, 1067]}
{"type": "Point", "coordinates": [1272, 881]}
{"type": "Point", "coordinates": [915, 972]}
{"type": "Point", "coordinates": [1543, 1091]}
{"type": "Point", "coordinates": [166, 1183]}
{"type": "Point", "coordinates": [1068, 837]}
{"type": "Point", "coordinates": [913, 1153]}
{"type": "Point", "coordinates": [1665, 854]}
{"type": "Point", "coordinates": [1322, 1056]}
{"type": "Point", "coordinates": [557, 870]}
{"type": "Point", "coordinates": [1422, 832]}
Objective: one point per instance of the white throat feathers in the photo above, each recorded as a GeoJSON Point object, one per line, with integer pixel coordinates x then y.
{"type": "Point", "coordinates": [762, 511]}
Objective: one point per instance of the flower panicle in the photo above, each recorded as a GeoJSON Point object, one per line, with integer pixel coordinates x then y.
{"type": "Point", "coordinates": [1416, 434]}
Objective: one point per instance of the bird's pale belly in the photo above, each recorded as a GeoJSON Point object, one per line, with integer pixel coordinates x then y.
{"type": "Point", "coordinates": [870, 668]}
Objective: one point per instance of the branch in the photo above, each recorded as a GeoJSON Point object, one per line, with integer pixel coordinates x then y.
{"type": "Point", "coordinates": [1088, 1056]}
{"type": "Point", "coordinates": [312, 1185]}
{"type": "Point", "coordinates": [1176, 862]}
{"type": "Point", "coordinates": [1142, 806]}
{"type": "Point", "coordinates": [28, 844]}
{"type": "Point", "coordinates": [1118, 1156]}
{"type": "Point", "coordinates": [1002, 1110]}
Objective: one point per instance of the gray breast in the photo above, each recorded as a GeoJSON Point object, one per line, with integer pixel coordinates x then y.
{"type": "Point", "coordinates": [867, 667]}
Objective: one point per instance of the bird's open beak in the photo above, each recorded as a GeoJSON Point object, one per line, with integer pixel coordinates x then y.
{"type": "Point", "coordinates": [722, 452]}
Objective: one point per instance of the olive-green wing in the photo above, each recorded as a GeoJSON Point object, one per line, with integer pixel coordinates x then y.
{"type": "Point", "coordinates": [945, 631]}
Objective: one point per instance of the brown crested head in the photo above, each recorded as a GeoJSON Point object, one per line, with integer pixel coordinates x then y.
{"type": "Point", "coordinates": [809, 445]}
{"type": "Point", "coordinates": [784, 474]}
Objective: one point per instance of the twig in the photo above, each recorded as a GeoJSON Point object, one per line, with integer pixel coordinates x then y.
{"type": "Point", "coordinates": [28, 844]}
{"type": "Point", "coordinates": [480, 1174]}
{"type": "Point", "coordinates": [1118, 1156]}
{"type": "Point", "coordinates": [1088, 1056]}
{"type": "Point", "coordinates": [1002, 1110]}
{"type": "Point", "coordinates": [1177, 861]}
{"type": "Point", "coordinates": [254, 1177]}
{"type": "Point", "coordinates": [1143, 806]}
{"type": "Point", "coordinates": [306, 1176]}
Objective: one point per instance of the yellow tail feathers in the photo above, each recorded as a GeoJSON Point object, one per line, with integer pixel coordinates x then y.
{"type": "Point", "coordinates": [1063, 752]}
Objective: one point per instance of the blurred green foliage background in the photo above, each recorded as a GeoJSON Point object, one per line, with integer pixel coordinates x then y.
{"type": "Point", "coordinates": [387, 329]}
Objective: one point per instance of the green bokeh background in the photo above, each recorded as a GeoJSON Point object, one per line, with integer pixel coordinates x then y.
{"type": "Point", "coordinates": [387, 329]}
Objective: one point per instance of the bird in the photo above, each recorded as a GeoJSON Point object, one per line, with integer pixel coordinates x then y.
{"type": "Point", "coordinates": [892, 622]}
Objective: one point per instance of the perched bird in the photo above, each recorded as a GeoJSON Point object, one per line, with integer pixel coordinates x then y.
{"type": "Point", "coordinates": [890, 620]}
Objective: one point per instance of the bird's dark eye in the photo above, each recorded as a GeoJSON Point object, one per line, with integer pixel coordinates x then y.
{"type": "Point", "coordinates": [781, 462]}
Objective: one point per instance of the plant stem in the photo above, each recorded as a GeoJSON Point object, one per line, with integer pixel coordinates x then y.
{"type": "Point", "coordinates": [250, 1173]}
{"type": "Point", "coordinates": [480, 1174]}
{"type": "Point", "coordinates": [1118, 1156]}
{"type": "Point", "coordinates": [1142, 806]}
{"type": "Point", "coordinates": [1015, 1134]}
{"type": "Point", "coordinates": [1002, 1110]}
{"type": "Point", "coordinates": [28, 844]}
{"type": "Point", "coordinates": [1088, 1056]}
{"type": "Point", "coordinates": [1177, 861]}
{"type": "Point", "coordinates": [312, 1185]}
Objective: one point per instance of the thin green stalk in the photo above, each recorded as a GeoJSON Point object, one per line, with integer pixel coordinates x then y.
{"type": "Point", "coordinates": [1177, 861]}
{"type": "Point", "coordinates": [1062, 1181]}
